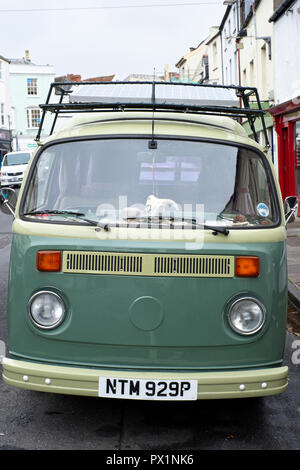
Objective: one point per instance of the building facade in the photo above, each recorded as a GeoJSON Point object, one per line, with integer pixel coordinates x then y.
{"type": "Point", "coordinates": [5, 109]}
{"type": "Point", "coordinates": [257, 62]}
{"type": "Point", "coordinates": [214, 53]}
{"type": "Point", "coordinates": [29, 86]}
{"type": "Point", "coordinates": [286, 109]}
{"type": "Point", "coordinates": [248, 58]}
{"type": "Point", "coordinates": [229, 31]}
{"type": "Point", "coordinates": [193, 67]}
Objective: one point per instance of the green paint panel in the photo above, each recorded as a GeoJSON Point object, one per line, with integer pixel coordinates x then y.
{"type": "Point", "coordinates": [147, 322]}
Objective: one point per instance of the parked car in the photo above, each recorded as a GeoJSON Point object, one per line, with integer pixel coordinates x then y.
{"type": "Point", "coordinates": [153, 238]}
{"type": "Point", "coordinates": [13, 168]}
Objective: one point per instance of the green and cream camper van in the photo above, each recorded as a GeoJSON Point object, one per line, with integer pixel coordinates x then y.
{"type": "Point", "coordinates": [148, 258]}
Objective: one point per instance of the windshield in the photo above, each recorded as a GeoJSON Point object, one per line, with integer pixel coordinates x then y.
{"type": "Point", "coordinates": [16, 159]}
{"type": "Point", "coordinates": [123, 180]}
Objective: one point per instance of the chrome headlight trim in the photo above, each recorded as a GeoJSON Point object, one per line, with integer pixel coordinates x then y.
{"type": "Point", "coordinates": [260, 325]}
{"type": "Point", "coordinates": [58, 297]}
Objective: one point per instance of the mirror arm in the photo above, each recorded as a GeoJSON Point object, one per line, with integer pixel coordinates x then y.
{"type": "Point", "coordinates": [8, 202]}
{"type": "Point", "coordinates": [9, 208]}
{"type": "Point", "coordinates": [289, 215]}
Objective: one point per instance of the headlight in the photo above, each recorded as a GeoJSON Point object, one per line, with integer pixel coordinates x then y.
{"type": "Point", "coordinates": [46, 309]}
{"type": "Point", "coordinates": [247, 316]}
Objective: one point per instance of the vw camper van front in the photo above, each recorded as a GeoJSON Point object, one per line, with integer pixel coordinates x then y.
{"type": "Point", "coordinates": [155, 262]}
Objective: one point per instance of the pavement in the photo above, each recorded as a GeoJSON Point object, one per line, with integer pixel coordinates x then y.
{"type": "Point", "coordinates": [293, 255]}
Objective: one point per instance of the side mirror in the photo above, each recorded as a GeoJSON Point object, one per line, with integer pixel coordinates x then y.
{"type": "Point", "coordinates": [290, 208]}
{"type": "Point", "coordinates": [8, 201]}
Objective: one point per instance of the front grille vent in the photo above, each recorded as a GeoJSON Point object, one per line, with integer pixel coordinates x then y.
{"type": "Point", "coordinates": [103, 263]}
{"type": "Point", "coordinates": [193, 265]}
{"type": "Point", "coordinates": [147, 264]}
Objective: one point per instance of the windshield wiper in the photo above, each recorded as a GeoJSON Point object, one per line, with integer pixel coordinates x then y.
{"type": "Point", "coordinates": [78, 215]}
{"type": "Point", "coordinates": [215, 230]}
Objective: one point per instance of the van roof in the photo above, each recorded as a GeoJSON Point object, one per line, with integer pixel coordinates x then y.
{"type": "Point", "coordinates": [86, 120]}
{"type": "Point", "coordinates": [165, 124]}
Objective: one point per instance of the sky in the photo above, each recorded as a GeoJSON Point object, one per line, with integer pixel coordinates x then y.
{"type": "Point", "coordinates": [105, 37]}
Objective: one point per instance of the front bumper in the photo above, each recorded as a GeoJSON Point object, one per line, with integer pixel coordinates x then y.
{"type": "Point", "coordinates": [81, 381]}
{"type": "Point", "coordinates": [13, 182]}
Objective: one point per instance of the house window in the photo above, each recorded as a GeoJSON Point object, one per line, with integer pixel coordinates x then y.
{"type": "Point", "coordinates": [244, 77]}
{"type": "Point", "coordinates": [235, 68]}
{"type": "Point", "coordinates": [215, 54]}
{"type": "Point", "coordinates": [33, 117]}
{"type": "Point", "coordinates": [234, 19]}
{"type": "Point", "coordinates": [32, 86]}
{"type": "Point", "coordinates": [264, 72]}
{"type": "Point", "coordinates": [251, 72]}
{"type": "Point", "coordinates": [2, 119]}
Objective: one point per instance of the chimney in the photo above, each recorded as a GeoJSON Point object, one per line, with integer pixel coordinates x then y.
{"type": "Point", "coordinates": [167, 73]}
{"type": "Point", "coordinates": [27, 55]}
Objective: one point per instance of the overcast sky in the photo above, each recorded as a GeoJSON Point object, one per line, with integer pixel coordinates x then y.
{"type": "Point", "coordinates": [107, 39]}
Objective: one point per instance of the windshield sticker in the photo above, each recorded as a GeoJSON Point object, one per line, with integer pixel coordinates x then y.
{"type": "Point", "coordinates": [263, 209]}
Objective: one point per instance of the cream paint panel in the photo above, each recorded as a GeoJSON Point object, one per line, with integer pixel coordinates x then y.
{"type": "Point", "coordinates": [191, 239]}
{"type": "Point", "coordinates": [207, 126]}
{"type": "Point", "coordinates": [147, 264]}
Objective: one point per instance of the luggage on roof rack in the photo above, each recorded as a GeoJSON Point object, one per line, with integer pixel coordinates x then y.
{"type": "Point", "coordinates": [220, 100]}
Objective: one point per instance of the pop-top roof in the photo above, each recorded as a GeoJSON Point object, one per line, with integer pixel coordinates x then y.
{"type": "Point", "coordinates": [143, 94]}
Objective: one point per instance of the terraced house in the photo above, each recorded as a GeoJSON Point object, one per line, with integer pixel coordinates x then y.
{"type": "Point", "coordinates": [29, 85]}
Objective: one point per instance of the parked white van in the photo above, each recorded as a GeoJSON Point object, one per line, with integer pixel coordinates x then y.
{"type": "Point", "coordinates": [13, 168]}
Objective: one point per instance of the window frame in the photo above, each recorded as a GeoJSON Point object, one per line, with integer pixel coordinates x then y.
{"type": "Point", "coordinates": [32, 87]}
{"type": "Point", "coordinates": [265, 163]}
{"type": "Point", "coordinates": [29, 117]}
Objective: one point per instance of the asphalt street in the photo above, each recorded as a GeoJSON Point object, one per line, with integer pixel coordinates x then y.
{"type": "Point", "coordinates": [37, 421]}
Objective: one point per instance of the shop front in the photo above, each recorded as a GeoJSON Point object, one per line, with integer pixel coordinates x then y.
{"type": "Point", "coordinates": [287, 126]}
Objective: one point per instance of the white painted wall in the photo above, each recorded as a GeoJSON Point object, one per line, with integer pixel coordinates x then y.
{"type": "Point", "coordinates": [287, 54]}
{"type": "Point", "coordinates": [229, 53]}
{"type": "Point", "coordinates": [28, 68]}
{"type": "Point", "coordinates": [5, 95]}
{"type": "Point", "coordinates": [256, 68]}
{"type": "Point", "coordinates": [19, 73]}
{"type": "Point", "coordinates": [190, 66]}
{"type": "Point", "coordinates": [214, 51]}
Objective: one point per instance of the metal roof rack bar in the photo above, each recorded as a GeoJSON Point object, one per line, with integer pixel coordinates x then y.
{"type": "Point", "coordinates": [107, 104]}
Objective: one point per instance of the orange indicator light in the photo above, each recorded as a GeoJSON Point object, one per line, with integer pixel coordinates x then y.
{"type": "Point", "coordinates": [48, 261]}
{"type": "Point", "coordinates": [247, 266]}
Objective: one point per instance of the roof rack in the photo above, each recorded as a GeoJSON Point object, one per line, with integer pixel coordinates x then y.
{"type": "Point", "coordinates": [205, 99]}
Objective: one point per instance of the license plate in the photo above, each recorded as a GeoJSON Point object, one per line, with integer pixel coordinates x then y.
{"type": "Point", "coordinates": [145, 389]}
